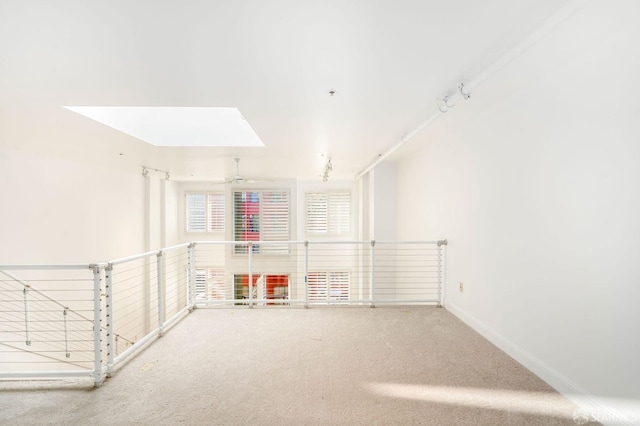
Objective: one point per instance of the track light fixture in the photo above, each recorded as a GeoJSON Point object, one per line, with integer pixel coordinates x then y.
{"type": "Point", "coordinates": [327, 168]}
{"type": "Point", "coordinates": [146, 170]}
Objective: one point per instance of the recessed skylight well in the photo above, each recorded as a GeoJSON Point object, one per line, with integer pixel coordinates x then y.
{"type": "Point", "coordinates": [177, 126]}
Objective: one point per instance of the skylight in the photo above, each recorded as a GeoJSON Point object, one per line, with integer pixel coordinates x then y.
{"type": "Point", "coordinates": [176, 126]}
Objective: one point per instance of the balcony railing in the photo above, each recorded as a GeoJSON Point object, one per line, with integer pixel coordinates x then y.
{"type": "Point", "coordinates": [86, 320]}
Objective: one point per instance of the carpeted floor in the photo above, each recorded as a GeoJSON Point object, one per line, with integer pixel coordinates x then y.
{"type": "Point", "coordinates": [318, 366]}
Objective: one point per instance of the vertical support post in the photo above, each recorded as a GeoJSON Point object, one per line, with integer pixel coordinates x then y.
{"type": "Point", "coordinates": [439, 275]}
{"type": "Point", "coordinates": [160, 280]}
{"type": "Point", "coordinates": [440, 286]}
{"type": "Point", "coordinates": [192, 277]}
{"type": "Point", "coordinates": [111, 347]}
{"type": "Point", "coordinates": [67, 354]}
{"type": "Point", "coordinates": [97, 325]}
{"type": "Point", "coordinates": [25, 292]}
{"type": "Point", "coordinates": [306, 274]}
{"type": "Point", "coordinates": [250, 249]}
{"type": "Point", "coordinates": [372, 279]}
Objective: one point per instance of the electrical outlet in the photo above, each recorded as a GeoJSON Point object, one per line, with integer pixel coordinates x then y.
{"type": "Point", "coordinates": [461, 287]}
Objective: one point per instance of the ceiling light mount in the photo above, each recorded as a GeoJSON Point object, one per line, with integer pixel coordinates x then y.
{"type": "Point", "coordinates": [332, 92]}
{"type": "Point", "coordinates": [146, 170]}
{"type": "Point", "coordinates": [449, 101]}
{"type": "Point", "coordinates": [328, 167]}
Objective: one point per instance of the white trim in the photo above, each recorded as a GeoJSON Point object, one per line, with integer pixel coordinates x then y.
{"type": "Point", "coordinates": [560, 383]}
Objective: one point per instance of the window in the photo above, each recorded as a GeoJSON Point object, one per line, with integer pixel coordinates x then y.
{"type": "Point", "coordinates": [263, 286]}
{"type": "Point", "coordinates": [210, 284]}
{"type": "Point", "coordinates": [205, 212]}
{"type": "Point", "coordinates": [262, 216]}
{"type": "Point", "coordinates": [328, 286]}
{"type": "Point", "coordinates": [329, 212]}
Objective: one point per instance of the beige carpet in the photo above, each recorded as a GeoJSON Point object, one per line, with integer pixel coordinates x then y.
{"type": "Point", "coordinates": [280, 366]}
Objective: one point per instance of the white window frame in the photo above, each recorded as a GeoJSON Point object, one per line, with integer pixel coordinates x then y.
{"type": "Point", "coordinates": [333, 290]}
{"type": "Point", "coordinates": [333, 221]}
{"type": "Point", "coordinates": [214, 212]}
{"type": "Point", "coordinates": [266, 231]}
{"type": "Point", "coordinates": [205, 281]}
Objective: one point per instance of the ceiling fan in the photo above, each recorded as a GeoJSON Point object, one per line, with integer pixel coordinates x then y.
{"type": "Point", "coordinates": [238, 178]}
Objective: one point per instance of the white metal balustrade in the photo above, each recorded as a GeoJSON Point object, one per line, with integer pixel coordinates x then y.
{"type": "Point", "coordinates": [85, 320]}
{"type": "Point", "coordinates": [48, 321]}
{"type": "Point", "coordinates": [319, 272]}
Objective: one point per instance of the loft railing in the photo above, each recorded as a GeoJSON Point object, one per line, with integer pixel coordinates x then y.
{"type": "Point", "coordinates": [318, 272]}
{"type": "Point", "coordinates": [86, 320]}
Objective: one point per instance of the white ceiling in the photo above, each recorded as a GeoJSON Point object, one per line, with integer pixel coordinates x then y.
{"type": "Point", "coordinates": [273, 60]}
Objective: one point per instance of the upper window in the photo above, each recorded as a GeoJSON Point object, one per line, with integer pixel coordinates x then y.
{"type": "Point", "coordinates": [205, 212]}
{"type": "Point", "coordinates": [329, 212]}
{"type": "Point", "coordinates": [261, 216]}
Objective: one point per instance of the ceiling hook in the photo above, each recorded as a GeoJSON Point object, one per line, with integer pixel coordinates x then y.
{"type": "Point", "coordinates": [440, 106]}
{"type": "Point", "coordinates": [446, 102]}
{"type": "Point", "coordinates": [464, 95]}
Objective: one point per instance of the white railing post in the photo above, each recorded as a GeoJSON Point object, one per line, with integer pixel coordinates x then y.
{"type": "Point", "coordinates": [192, 277]}
{"type": "Point", "coordinates": [160, 293]}
{"type": "Point", "coordinates": [67, 354]}
{"type": "Point", "coordinates": [250, 249]}
{"type": "Point", "coordinates": [372, 276]}
{"type": "Point", "coordinates": [97, 325]}
{"type": "Point", "coordinates": [25, 292]}
{"type": "Point", "coordinates": [306, 274]}
{"type": "Point", "coordinates": [111, 348]}
{"type": "Point", "coordinates": [440, 296]}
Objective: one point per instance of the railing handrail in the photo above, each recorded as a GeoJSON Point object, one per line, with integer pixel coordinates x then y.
{"type": "Point", "coordinates": [205, 242]}
{"type": "Point", "coordinates": [49, 267]}
{"type": "Point", "coordinates": [215, 242]}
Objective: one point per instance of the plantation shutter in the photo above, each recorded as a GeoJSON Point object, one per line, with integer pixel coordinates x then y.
{"type": "Point", "coordinates": [339, 212]}
{"type": "Point", "coordinates": [329, 212]}
{"type": "Point", "coordinates": [328, 286]}
{"type": "Point", "coordinates": [196, 213]}
{"type": "Point", "coordinates": [216, 212]}
{"type": "Point", "coordinates": [216, 287]}
{"type": "Point", "coordinates": [317, 209]}
{"type": "Point", "coordinates": [317, 285]}
{"type": "Point", "coordinates": [246, 219]}
{"type": "Point", "coordinates": [275, 221]}
{"type": "Point", "coordinates": [201, 284]}
{"type": "Point", "coordinates": [339, 285]}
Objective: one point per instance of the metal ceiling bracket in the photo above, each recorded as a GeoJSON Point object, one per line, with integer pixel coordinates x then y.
{"type": "Point", "coordinates": [466, 96]}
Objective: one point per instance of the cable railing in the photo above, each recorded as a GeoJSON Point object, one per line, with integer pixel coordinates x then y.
{"type": "Point", "coordinates": [86, 320]}
{"type": "Point", "coordinates": [318, 272]}
{"type": "Point", "coordinates": [48, 321]}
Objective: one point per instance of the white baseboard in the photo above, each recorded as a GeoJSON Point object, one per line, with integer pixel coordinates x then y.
{"type": "Point", "coordinates": [606, 414]}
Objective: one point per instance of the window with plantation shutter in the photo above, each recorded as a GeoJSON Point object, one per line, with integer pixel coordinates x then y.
{"type": "Point", "coordinates": [205, 212]}
{"type": "Point", "coordinates": [339, 285]}
{"type": "Point", "coordinates": [317, 285]}
{"type": "Point", "coordinates": [262, 216]}
{"type": "Point", "coordinates": [216, 212]}
{"type": "Point", "coordinates": [201, 284]}
{"type": "Point", "coordinates": [196, 213]}
{"type": "Point", "coordinates": [317, 209]}
{"type": "Point", "coordinates": [275, 221]}
{"type": "Point", "coordinates": [328, 286]}
{"type": "Point", "coordinates": [210, 284]}
{"type": "Point", "coordinates": [329, 212]}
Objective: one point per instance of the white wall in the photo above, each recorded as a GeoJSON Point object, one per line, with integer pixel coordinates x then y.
{"type": "Point", "coordinates": [535, 182]}
{"type": "Point", "coordinates": [65, 211]}
{"type": "Point", "coordinates": [384, 202]}
{"type": "Point", "coordinates": [171, 198]}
